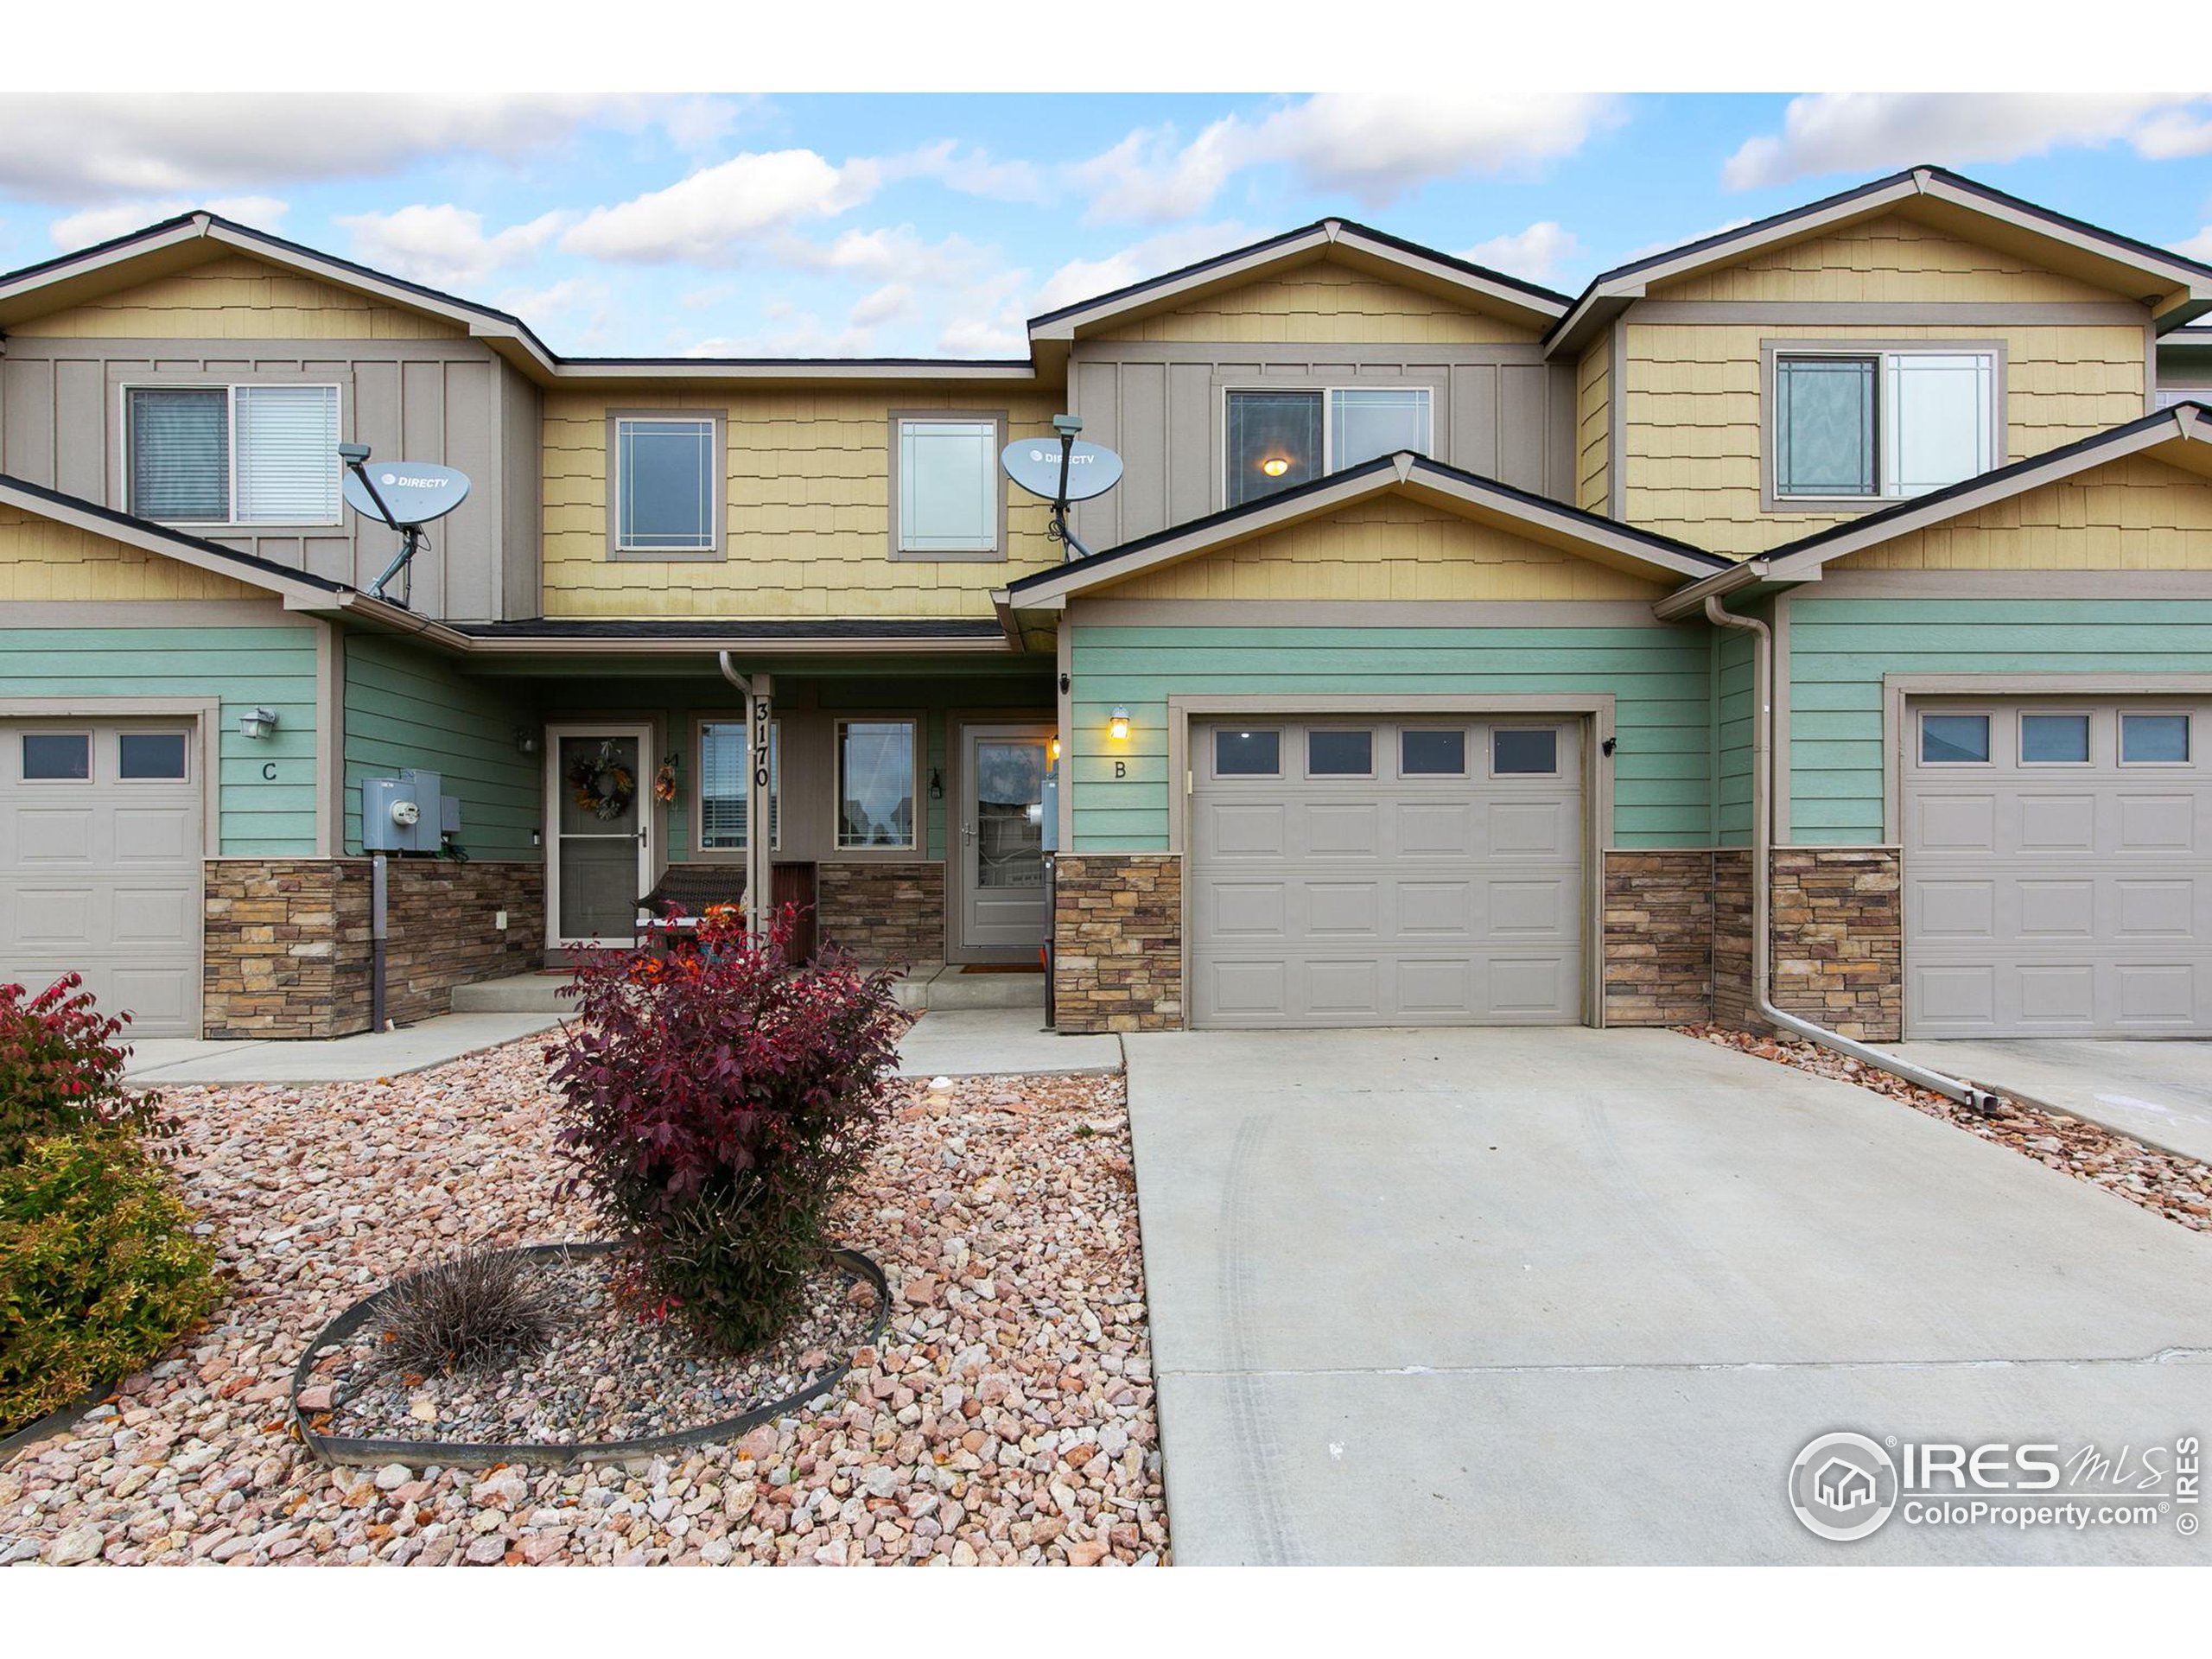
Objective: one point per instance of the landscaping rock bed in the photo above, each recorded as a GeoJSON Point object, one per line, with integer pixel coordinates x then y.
{"type": "Point", "coordinates": [2164, 1183]}
{"type": "Point", "coordinates": [1007, 1416]}
{"type": "Point", "coordinates": [606, 1373]}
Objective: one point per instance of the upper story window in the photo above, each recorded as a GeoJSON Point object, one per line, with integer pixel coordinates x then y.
{"type": "Point", "coordinates": [946, 470]}
{"type": "Point", "coordinates": [1870, 425]}
{"type": "Point", "coordinates": [667, 483]}
{"type": "Point", "coordinates": [255, 454]}
{"type": "Point", "coordinates": [1278, 439]}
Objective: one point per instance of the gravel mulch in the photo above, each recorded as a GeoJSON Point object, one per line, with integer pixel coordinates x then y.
{"type": "Point", "coordinates": [1007, 1416]}
{"type": "Point", "coordinates": [604, 1374]}
{"type": "Point", "coordinates": [2164, 1183]}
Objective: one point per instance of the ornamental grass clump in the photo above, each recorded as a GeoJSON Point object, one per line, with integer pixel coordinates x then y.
{"type": "Point", "coordinates": [470, 1311]}
{"type": "Point", "coordinates": [718, 1103]}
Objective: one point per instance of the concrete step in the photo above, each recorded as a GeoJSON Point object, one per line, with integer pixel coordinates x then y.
{"type": "Point", "coordinates": [929, 985]}
{"type": "Point", "coordinates": [522, 994]}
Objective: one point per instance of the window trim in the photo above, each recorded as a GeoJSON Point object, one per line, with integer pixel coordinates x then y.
{"type": "Point", "coordinates": [700, 850]}
{"type": "Point", "coordinates": [193, 380]}
{"type": "Point", "coordinates": [718, 447]}
{"type": "Point", "coordinates": [2120, 739]}
{"type": "Point", "coordinates": [1435, 386]}
{"type": "Point", "coordinates": [893, 420]}
{"type": "Point", "coordinates": [1771, 499]}
{"type": "Point", "coordinates": [907, 852]}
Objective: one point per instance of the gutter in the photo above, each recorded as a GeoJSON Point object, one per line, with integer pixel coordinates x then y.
{"type": "Point", "coordinates": [1763, 764]}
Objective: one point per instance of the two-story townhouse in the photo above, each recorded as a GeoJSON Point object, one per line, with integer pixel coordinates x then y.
{"type": "Point", "coordinates": [1417, 674]}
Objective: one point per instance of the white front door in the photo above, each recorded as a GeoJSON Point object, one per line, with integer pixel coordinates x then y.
{"type": "Point", "coordinates": [598, 861]}
{"type": "Point", "coordinates": [1003, 913]}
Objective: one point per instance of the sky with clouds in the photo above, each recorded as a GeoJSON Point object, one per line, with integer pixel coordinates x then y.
{"type": "Point", "coordinates": [849, 225]}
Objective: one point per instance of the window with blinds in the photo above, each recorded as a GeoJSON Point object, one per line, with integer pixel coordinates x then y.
{"type": "Point", "coordinates": [235, 454]}
{"type": "Point", "coordinates": [723, 798]}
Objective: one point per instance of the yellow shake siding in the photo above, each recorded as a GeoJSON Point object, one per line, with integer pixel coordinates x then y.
{"type": "Point", "coordinates": [1323, 304]}
{"type": "Point", "coordinates": [1388, 549]}
{"type": "Point", "coordinates": [1890, 258]}
{"type": "Point", "coordinates": [42, 560]}
{"type": "Point", "coordinates": [2133, 514]}
{"type": "Point", "coordinates": [1692, 400]}
{"type": "Point", "coordinates": [1593, 429]}
{"type": "Point", "coordinates": [809, 516]}
{"type": "Point", "coordinates": [235, 297]}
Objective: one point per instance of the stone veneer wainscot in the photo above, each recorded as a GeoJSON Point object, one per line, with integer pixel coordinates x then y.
{"type": "Point", "coordinates": [1117, 932]}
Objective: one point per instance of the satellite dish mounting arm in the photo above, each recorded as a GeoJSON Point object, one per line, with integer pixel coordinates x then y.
{"type": "Point", "coordinates": [1067, 426]}
{"type": "Point", "coordinates": [356, 455]}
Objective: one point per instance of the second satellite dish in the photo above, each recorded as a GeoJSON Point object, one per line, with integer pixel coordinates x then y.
{"type": "Point", "coordinates": [411, 492]}
{"type": "Point", "coordinates": [1034, 463]}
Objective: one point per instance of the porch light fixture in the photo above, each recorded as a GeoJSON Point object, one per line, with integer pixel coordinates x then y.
{"type": "Point", "coordinates": [258, 722]}
{"type": "Point", "coordinates": [936, 785]}
{"type": "Point", "coordinates": [1117, 725]}
{"type": "Point", "coordinates": [1053, 749]}
{"type": "Point", "coordinates": [1275, 465]}
{"type": "Point", "coordinates": [525, 740]}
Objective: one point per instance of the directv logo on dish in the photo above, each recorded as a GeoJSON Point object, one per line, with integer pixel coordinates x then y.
{"type": "Point", "coordinates": [1073, 460]}
{"type": "Point", "coordinates": [416, 483]}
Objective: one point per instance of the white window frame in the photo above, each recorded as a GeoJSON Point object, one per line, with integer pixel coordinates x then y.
{"type": "Point", "coordinates": [1498, 728]}
{"type": "Point", "coordinates": [900, 419]}
{"type": "Point", "coordinates": [736, 721]}
{"type": "Point", "coordinates": [717, 484]}
{"type": "Point", "coordinates": [1326, 392]}
{"type": "Point", "coordinates": [907, 849]}
{"type": "Point", "coordinates": [2087, 716]}
{"type": "Point", "coordinates": [1883, 352]}
{"type": "Point", "coordinates": [1988, 717]}
{"type": "Point", "coordinates": [2188, 737]}
{"type": "Point", "coordinates": [230, 389]}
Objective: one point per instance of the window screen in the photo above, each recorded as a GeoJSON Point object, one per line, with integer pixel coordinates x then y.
{"type": "Point", "coordinates": [875, 782]}
{"type": "Point", "coordinates": [1363, 424]}
{"type": "Point", "coordinates": [1274, 442]}
{"type": "Point", "coordinates": [948, 487]}
{"type": "Point", "coordinates": [180, 454]}
{"type": "Point", "coordinates": [664, 486]}
{"type": "Point", "coordinates": [725, 764]}
{"type": "Point", "coordinates": [1824, 426]}
{"type": "Point", "coordinates": [1936, 421]}
{"type": "Point", "coordinates": [287, 439]}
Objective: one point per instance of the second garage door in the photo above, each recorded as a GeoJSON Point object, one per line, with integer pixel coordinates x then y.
{"type": "Point", "coordinates": [1375, 872]}
{"type": "Point", "coordinates": [2058, 868]}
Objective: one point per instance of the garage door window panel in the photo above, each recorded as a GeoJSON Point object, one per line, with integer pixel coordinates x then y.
{"type": "Point", "coordinates": [1340, 754]}
{"type": "Point", "coordinates": [1953, 739]}
{"type": "Point", "coordinates": [2154, 740]}
{"type": "Point", "coordinates": [2054, 739]}
{"type": "Point", "coordinates": [1518, 752]}
{"type": "Point", "coordinates": [150, 757]}
{"type": "Point", "coordinates": [1432, 754]}
{"type": "Point", "coordinates": [1256, 754]}
{"type": "Point", "coordinates": [57, 757]}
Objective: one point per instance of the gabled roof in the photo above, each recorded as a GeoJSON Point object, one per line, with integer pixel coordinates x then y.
{"type": "Point", "coordinates": [2181, 436]}
{"type": "Point", "coordinates": [1357, 246]}
{"type": "Point", "coordinates": [1469, 494]}
{"type": "Point", "coordinates": [2178, 288]}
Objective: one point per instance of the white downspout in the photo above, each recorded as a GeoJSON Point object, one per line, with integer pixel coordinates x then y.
{"type": "Point", "coordinates": [1762, 774]}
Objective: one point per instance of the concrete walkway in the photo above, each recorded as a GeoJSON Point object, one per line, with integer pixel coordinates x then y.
{"type": "Point", "coordinates": [2160, 1093]}
{"type": "Point", "coordinates": [333, 1059]}
{"type": "Point", "coordinates": [989, 1042]}
{"type": "Point", "coordinates": [1578, 1296]}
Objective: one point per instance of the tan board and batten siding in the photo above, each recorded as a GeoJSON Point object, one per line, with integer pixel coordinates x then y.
{"type": "Point", "coordinates": [1323, 303]}
{"type": "Point", "coordinates": [1388, 548]}
{"type": "Point", "coordinates": [807, 495]}
{"type": "Point", "coordinates": [44, 562]}
{"type": "Point", "coordinates": [1593, 428]}
{"type": "Point", "coordinates": [1692, 447]}
{"type": "Point", "coordinates": [2131, 514]}
{"type": "Point", "coordinates": [235, 296]}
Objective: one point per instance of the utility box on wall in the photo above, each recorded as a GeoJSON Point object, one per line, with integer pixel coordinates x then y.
{"type": "Point", "coordinates": [407, 814]}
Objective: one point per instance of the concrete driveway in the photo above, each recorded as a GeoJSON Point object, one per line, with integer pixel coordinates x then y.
{"type": "Point", "coordinates": [1574, 1296]}
{"type": "Point", "coordinates": [2159, 1092]}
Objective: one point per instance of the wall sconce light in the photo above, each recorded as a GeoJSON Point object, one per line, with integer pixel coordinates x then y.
{"type": "Point", "coordinates": [258, 722]}
{"type": "Point", "coordinates": [936, 785]}
{"type": "Point", "coordinates": [1052, 750]}
{"type": "Point", "coordinates": [1275, 465]}
{"type": "Point", "coordinates": [525, 740]}
{"type": "Point", "coordinates": [1117, 724]}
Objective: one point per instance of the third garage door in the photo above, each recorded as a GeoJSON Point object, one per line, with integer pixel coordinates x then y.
{"type": "Point", "coordinates": [1375, 872]}
{"type": "Point", "coordinates": [2058, 868]}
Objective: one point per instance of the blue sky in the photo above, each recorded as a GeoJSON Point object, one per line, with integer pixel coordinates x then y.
{"type": "Point", "coordinates": [933, 225]}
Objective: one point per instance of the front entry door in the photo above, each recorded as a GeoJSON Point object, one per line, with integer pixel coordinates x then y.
{"type": "Point", "coordinates": [600, 862]}
{"type": "Point", "coordinates": [1003, 916]}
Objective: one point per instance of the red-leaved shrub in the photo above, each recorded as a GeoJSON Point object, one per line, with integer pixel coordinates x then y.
{"type": "Point", "coordinates": [61, 1071]}
{"type": "Point", "coordinates": [718, 1103]}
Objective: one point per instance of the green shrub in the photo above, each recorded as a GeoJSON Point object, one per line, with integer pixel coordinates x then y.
{"type": "Point", "coordinates": [61, 1071]}
{"type": "Point", "coordinates": [99, 1269]}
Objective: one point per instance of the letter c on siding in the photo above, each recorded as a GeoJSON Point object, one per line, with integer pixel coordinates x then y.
{"type": "Point", "coordinates": [269, 771]}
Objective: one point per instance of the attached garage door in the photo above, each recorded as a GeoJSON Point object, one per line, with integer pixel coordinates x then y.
{"type": "Point", "coordinates": [100, 864]}
{"type": "Point", "coordinates": [1380, 872]}
{"type": "Point", "coordinates": [2058, 868]}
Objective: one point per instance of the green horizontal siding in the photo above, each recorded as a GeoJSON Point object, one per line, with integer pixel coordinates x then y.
{"type": "Point", "coordinates": [405, 708]}
{"type": "Point", "coordinates": [242, 667]}
{"type": "Point", "coordinates": [1734, 712]}
{"type": "Point", "coordinates": [1661, 677]}
{"type": "Point", "coordinates": [1840, 649]}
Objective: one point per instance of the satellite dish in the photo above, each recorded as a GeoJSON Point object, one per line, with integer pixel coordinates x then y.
{"type": "Point", "coordinates": [402, 493]}
{"type": "Point", "coordinates": [1034, 463]}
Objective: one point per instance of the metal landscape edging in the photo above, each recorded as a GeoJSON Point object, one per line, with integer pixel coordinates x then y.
{"type": "Point", "coordinates": [467, 1454]}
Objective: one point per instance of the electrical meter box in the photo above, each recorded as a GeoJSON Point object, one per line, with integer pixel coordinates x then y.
{"type": "Point", "coordinates": [407, 814]}
{"type": "Point", "coordinates": [1050, 800]}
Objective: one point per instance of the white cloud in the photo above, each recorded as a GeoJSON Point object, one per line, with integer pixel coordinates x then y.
{"type": "Point", "coordinates": [82, 229]}
{"type": "Point", "coordinates": [791, 332]}
{"type": "Point", "coordinates": [710, 218]}
{"type": "Point", "coordinates": [880, 255]}
{"type": "Point", "coordinates": [2198, 246]}
{"type": "Point", "coordinates": [579, 310]}
{"type": "Point", "coordinates": [892, 301]}
{"type": "Point", "coordinates": [1875, 132]}
{"type": "Point", "coordinates": [1084, 279]}
{"type": "Point", "coordinates": [1534, 255]}
{"type": "Point", "coordinates": [973, 174]}
{"type": "Point", "coordinates": [79, 148]}
{"type": "Point", "coordinates": [1376, 147]}
{"type": "Point", "coordinates": [445, 245]}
